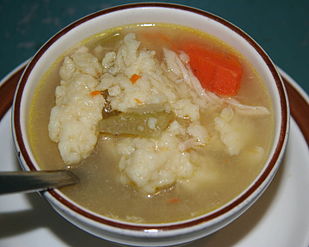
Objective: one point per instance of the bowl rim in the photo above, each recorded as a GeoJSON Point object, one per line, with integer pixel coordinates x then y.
{"type": "Point", "coordinates": [268, 168]}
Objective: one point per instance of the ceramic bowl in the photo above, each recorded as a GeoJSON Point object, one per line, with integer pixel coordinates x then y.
{"type": "Point", "coordinates": [154, 234]}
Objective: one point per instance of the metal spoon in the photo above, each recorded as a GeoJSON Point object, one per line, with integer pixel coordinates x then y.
{"type": "Point", "coordinates": [23, 181]}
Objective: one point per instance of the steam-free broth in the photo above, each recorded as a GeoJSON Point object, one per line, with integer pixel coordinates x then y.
{"type": "Point", "coordinates": [133, 120]}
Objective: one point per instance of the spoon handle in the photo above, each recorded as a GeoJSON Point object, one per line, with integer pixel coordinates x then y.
{"type": "Point", "coordinates": [22, 181]}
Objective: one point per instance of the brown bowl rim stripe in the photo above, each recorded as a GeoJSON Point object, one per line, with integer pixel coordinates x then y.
{"type": "Point", "coordinates": [168, 226]}
{"type": "Point", "coordinates": [7, 90]}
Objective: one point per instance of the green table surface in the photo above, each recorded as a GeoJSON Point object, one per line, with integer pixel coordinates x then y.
{"type": "Point", "coordinates": [280, 27]}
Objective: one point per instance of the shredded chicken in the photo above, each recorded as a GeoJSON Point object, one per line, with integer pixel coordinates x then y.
{"type": "Point", "coordinates": [246, 109]}
{"type": "Point", "coordinates": [179, 65]}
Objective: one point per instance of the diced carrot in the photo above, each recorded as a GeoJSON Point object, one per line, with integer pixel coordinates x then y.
{"type": "Point", "coordinates": [134, 78]}
{"type": "Point", "coordinates": [219, 73]}
{"type": "Point", "coordinates": [173, 200]}
{"type": "Point", "coordinates": [94, 93]}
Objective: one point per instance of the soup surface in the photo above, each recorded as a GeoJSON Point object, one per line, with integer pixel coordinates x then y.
{"type": "Point", "coordinates": [161, 122]}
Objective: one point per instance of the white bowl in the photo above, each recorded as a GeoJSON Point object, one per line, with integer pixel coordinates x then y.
{"type": "Point", "coordinates": [155, 234]}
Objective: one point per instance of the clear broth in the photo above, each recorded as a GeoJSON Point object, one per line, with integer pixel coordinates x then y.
{"type": "Point", "coordinates": [100, 190]}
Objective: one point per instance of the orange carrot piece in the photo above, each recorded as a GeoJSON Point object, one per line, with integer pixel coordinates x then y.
{"type": "Point", "coordinates": [173, 200]}
{"type": "Point", "coordinates": [134, 78]}
{"type": "Point", "coordinates": [217, 72]}
{"type": "Point", "coordinates": [94, 93]}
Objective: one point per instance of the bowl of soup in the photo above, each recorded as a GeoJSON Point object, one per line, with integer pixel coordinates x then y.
{"type": "Point", "coordinates": [174, 119]}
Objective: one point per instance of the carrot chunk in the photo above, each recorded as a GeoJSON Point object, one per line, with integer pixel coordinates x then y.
{"type": "Point", "coordinates": [173, 200]}
{"type": "Point", "coordinates": [94, 93]}
{"type": "Point", "coordinates": [219, 73]}
{"type": "Point", "coordinates": [134, 78]}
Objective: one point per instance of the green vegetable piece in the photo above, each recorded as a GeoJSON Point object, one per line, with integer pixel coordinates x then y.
{"type": "Point", "coordinates": [139, 124]}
